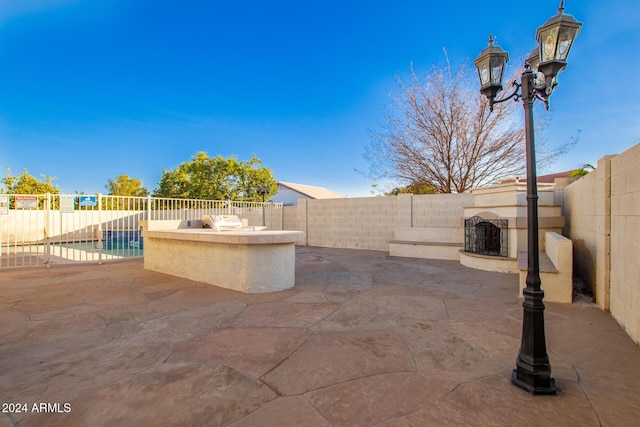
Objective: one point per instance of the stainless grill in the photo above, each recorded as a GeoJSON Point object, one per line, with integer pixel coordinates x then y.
{"type": "Point", "coordinates": [227, 223]}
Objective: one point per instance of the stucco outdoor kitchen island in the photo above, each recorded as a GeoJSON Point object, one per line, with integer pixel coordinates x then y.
{"type": "Point", "coordinates": [246, 261]}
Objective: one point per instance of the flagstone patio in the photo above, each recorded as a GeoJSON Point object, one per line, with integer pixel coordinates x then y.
{"type": "Point", "coordinates": [363, 339]}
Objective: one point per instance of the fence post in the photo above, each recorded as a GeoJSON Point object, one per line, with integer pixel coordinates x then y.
{"type": "Point", "coordinates": [100, 243]}
{"type": "Point", "coordinates": [148, 210]}
{"type": "Point", "coordinates": [47, 241]}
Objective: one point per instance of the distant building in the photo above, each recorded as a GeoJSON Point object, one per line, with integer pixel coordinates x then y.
{"type": "Point", "coordinates": [544, 179]}
{"type": "Point", "coordinates": [289, 193]}
{"type": "Point", "coordinates": [551, 178]}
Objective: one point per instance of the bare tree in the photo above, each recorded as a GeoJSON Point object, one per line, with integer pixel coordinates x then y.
{"type": "Point", "coordinates": [441, 133]}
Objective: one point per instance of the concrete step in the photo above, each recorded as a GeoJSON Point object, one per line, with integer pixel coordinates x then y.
{"type": "Point", "coordinates": [557, 286]}
{"type": "Point", "coordinates": [428, 250]}
{"type": "Point", "coordinates": [546, 265]}
{"type": "Point", "coordinates": [429, 234]}
{"type": "Point", "coordinates": [488, 263]}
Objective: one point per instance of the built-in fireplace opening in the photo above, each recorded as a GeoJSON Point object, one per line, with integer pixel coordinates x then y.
{"type": "Point", "coordinates": [486, 236]}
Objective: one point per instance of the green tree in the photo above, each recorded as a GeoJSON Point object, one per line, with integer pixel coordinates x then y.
{"type": "Point", "coordinates": [579, 173]}
{"type": "Point", "coordinates": [125, 186]}
{"type": "Point", "coordinates": [216, 178]}
{"type": "Point", "coordinates": [24, 183]}
{"type": "Point", "coordinates": [413, 188]}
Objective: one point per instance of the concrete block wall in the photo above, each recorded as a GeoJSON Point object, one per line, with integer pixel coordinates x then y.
{"type": "Point", "coordinates": [355, 223]}
{"type": "Point", "coordinates": [370, 222]}
{"type": "Point", "coordinates": [429, 226]}
{"type": "Point", "coordinates": [603, 221]}
{"type": "Point", "coordinates": [439, 210]}
{"type": "Point", "coordinates": [295, 218]}
{"type": "Point", "coordinates": [587, 213]}
{"type": "Point", "coordinates": [625, 240]}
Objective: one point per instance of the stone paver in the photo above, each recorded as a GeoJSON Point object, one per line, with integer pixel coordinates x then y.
{"type": "Point", "coordinates": [363, 339]}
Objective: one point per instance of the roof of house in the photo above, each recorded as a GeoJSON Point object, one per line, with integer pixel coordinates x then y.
{"type": "Point", "coordinates": [544, 179]}
{"type": "Point", "coordinates": [550, 179]}
{"type": "Point", "coordinates": [311, 191]}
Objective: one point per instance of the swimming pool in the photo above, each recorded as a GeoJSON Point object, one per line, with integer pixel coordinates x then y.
{"type": "Point", "coordinates": [92, 249]}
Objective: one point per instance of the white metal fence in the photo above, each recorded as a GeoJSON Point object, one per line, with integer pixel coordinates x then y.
{"type": "Point", "coordinates": [45, 229]}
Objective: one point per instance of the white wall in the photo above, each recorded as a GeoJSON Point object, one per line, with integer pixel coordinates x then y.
{"type": "Point", "coordinates": [287, 196]}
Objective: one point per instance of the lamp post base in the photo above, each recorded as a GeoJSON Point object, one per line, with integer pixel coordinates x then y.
{"type": "Point", "coordinates": [548, 386]}
{"type": "Point", "coordinates": [533, 370]}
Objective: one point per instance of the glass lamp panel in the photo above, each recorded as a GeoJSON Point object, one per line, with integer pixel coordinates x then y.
{"type": "Point", "coordinates": [483, 71]}
{"type": "Point", "coordinates": [548, 39]}
{"type": "Point", "coordinates": [497, 66]}
{"type": "Point", "coordinates": [565, 39]}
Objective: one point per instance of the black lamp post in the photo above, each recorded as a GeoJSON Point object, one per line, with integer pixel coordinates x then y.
{"type": "Point", "coordinates": [555, 37]}
{"type": "Point", "coordinates": [263, 190]}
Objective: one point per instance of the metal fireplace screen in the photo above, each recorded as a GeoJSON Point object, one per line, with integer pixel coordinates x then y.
{"type": "Point", "coordinates": [486, 236]}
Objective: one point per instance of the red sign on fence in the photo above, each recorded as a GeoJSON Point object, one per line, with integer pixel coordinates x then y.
{"type": "Point", "coordinates": [26, 202]}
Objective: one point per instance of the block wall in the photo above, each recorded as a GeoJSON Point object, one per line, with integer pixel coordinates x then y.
{"type": "Point", "coordinates": [625, 240]}
{"type": "Point", "coordinates": [587, 211]}
{"type": "Point", "coordinates": [370, 222]}
{"type": "Point", "coordinates": [294, 218]}
{"type": "Point", "coordinates": [355, 223]}
{"type": "Point", "coordinates": [602, 211]}
{"type": "Point", "coordinates": [439, 210]}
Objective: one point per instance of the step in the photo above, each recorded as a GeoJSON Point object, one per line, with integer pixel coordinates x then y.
{"type": "Point", "coordinates": [488, 263]}
{"type": "Point", "coordinates": [557, 287]}
{"type": "Point", "coordinates": [546, 265]}
{"type": "Point", "coordinates": [427, 250]}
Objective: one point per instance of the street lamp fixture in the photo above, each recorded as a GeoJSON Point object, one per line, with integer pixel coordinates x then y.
{"type": "Point", "coordinates": [263, 190]}
{"type": "Point", "coordinates": [490, 64]}
{"type": "Point", "coordinates": [538, 80]}
{"type": "Point", "coordinates": [554, 40]}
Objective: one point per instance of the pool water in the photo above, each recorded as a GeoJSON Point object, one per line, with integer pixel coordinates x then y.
{"type": "Point", "coordinates": [90, 250]}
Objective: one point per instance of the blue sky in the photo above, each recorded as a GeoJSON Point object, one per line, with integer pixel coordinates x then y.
{"type": "Point", "coordinates": [90, 89]}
